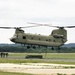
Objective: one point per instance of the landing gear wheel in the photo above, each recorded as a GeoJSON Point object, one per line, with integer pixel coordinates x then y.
{"type": "Point", "coordinates": [59, 48]}
{"type": "Point", "coordinates": [28, 47]}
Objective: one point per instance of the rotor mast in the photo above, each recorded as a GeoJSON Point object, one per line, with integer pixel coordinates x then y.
{"type": "Point", "coordinates": [19, 30]}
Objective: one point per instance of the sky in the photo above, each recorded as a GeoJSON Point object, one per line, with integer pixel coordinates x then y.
{"type": "Point", "coordinates": [16, 13]}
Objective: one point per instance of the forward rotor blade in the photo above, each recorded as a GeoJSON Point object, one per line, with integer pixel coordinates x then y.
{"type": "Point", "coordinates": [31, 26]}
{"type": "Point", "coordinates": [8, 27]}
{"type": "Point", "coordinates": [20, 27]}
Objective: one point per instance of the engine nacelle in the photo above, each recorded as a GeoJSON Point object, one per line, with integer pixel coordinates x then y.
{"type": "Point", "coordinates": [58, 36]}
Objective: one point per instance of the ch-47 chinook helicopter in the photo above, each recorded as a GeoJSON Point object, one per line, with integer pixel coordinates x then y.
{"type": "Point", "coordinates": [56, 39]}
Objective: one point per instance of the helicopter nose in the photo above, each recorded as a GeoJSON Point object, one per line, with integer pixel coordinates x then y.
{"type": "Point", "coordinates": [12, 39]}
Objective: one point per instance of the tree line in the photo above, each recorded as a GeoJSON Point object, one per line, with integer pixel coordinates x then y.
{"type": "Point", "coordinates": [36, 50]}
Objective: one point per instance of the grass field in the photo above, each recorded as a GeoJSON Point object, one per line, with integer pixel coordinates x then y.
{"type": "Point", "coordinates": [59, 58]}
{"type": "Point", "coordinates": [12, 73]}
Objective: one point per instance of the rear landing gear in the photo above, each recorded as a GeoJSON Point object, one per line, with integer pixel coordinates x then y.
{"type": "Point", "coordinates": [58, 48]}
{"type": "Point", "coordinates": [34, 47]}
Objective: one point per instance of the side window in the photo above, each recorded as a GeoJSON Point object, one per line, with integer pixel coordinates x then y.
{"type": "Point", "coordinates": [46, 40]}
{"type": "Point", "coordinates": [24, 37]}
{"type": "Point", "coordinates": [53, 40]}
{"type": "Point", "coordinates": [17, 35]}
{"type": "Point", "coordinates": [39, 38]}
{"type": "Point", "coordinates": [32, 38]}
{"type": "Point", "coordinates": [49, 39]}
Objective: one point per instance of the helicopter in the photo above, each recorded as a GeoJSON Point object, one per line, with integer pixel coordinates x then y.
{"type": "Point", "coordinates": [57, 38]}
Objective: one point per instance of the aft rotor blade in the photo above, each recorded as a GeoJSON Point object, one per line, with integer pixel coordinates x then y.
{"type": "Point", "coordinates": [50, 25]}
{"type": "Point", "coordinates": [69, 26]}
{"type": "Point", "coordinates": [39, 24]}
{"type": "Point", "coordinates": [61, 26]}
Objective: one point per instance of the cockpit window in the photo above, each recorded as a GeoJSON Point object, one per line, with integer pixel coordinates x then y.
{"type": "Point", "coordinates": [15, 36]}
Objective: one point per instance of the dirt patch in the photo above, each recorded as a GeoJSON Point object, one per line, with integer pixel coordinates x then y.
{"type": "Point", "coordinates": [37, 68]}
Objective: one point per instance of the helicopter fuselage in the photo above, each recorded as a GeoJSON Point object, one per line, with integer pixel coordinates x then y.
{"type": "Point", "coordinates": [53, 40]}
{"type": "Point", "coordinates": [57, 38]}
